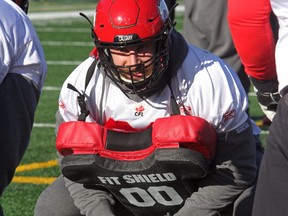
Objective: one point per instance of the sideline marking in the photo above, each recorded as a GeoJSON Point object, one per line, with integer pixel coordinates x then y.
{"type": "Point", "coordinates": [34, 179]}
{"type": "Point", "coordinates": [33, 166]}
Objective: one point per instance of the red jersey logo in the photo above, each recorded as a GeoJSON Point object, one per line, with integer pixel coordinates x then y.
{"type": "Point", "coordinates": [228, 115]}
{"type": "Point", "coordinates": [139, 111]}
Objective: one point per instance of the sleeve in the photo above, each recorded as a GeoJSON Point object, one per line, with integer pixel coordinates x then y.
{"type": "Point", "coordinates": [233, 170]}
{"type": "Point", "coordinates": [5, 53]}
{"type": "Point", "coordinates": [253, 22]}
{"type": "Point", "coordinates": [18, 103]}
{"type": "Point", "coordinates": [91, 202]}
{"type": "Point", "coordinates": [20, 49]}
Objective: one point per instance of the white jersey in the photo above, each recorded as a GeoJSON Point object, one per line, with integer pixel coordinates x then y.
{"type": "Point", "coordinates": [20, 48]}
{"type": "Point", "coordinates": [204, 86]}
{"type": "Point", "coordinates": [280, 8]}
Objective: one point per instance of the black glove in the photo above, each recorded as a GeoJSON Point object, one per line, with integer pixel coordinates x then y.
{"type": "Point", "coordinates": [267, 95]}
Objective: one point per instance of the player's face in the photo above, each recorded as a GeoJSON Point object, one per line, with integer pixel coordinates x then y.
{"type": "Point", "coordinates": [135, 62]}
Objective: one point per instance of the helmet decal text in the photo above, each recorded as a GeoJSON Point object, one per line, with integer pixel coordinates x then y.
{"type": "Point", "coordinates": [124, 38]}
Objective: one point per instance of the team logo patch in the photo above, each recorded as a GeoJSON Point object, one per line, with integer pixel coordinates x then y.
{"type": "Point", "coordinates": [228, 115]}
{"type": "Point", "coordinates": [139, 110]}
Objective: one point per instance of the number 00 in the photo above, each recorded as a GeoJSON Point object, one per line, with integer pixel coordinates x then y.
{"type": "Point", "coordinates": [151, 196]}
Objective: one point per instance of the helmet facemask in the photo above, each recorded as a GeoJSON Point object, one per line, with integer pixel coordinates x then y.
{"type": "Point", "coordinates": [142, 77]}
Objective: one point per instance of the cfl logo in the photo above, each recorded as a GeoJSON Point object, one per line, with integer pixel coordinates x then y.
{"type": "Point", "coordinates": [139, 111]}
{"type": "Point", "coordinates": [139, 114]}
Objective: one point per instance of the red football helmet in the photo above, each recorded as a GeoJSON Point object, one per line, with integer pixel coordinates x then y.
{"type": "Point", "coordinates": [24, 4]}
{"type": "Point", "coordinates": [123, 23]}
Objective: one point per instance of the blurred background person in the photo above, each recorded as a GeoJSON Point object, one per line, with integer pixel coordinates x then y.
{"type": "Point", "coordinates": [22, 74]}
{"type": "Point", "coordinates": [271, 193]}
{"type": "Point", "coordinates": [205, 25]}
{"type": "Point", "coordinates": [253, 28]}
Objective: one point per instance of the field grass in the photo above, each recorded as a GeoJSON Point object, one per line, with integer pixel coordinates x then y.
{"type": "Point", "coordinates": [66, 42]}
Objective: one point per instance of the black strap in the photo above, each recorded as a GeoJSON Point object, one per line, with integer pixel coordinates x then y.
{"type": "Point", "coordinates": [174, 105]}
{"type": "Point", "coordinates": [179, 50]}
{"type": "Point", "coordinates": [81, 97]}
{"type": "Point", "coordinates": [90, 72]}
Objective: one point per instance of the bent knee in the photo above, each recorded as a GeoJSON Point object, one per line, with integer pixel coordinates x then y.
{"type": "Point", "coordinates": [55, 202]}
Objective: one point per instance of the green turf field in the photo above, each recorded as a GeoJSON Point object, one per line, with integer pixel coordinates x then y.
{"type": "Point", "coordinates": [66, 43]}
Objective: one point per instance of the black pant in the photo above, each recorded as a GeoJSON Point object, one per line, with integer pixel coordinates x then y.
{"type": "Point", "coordinates": [272, 187]}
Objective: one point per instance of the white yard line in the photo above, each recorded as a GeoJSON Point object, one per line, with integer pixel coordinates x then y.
{"type": "Point", "coordinates": [73, 14]}
{"type": "Point", "coordinates": [69, 43]}
{"type": "Point", "coordinates": [43, 125]}
{"type": "Point", "coordinates": [63, 62]}
{"type": "Point", "coordinates": [51, 88]}
{"type": "Point", "coordinates": [50, 29]}
{"type": "Point", "coordinates": [59, 15]}
{"type": "Point", "coordinates": [47, 125]}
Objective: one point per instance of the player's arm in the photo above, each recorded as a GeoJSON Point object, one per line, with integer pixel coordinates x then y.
{"type": "Point", "coordinates": [280, 9]}
{"type": "Point", "coordinates": [18, 102]}
{"type": "Point", "coordinates": [91, 202]}
{"type": "Point", "coordinates": [233, 171]}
